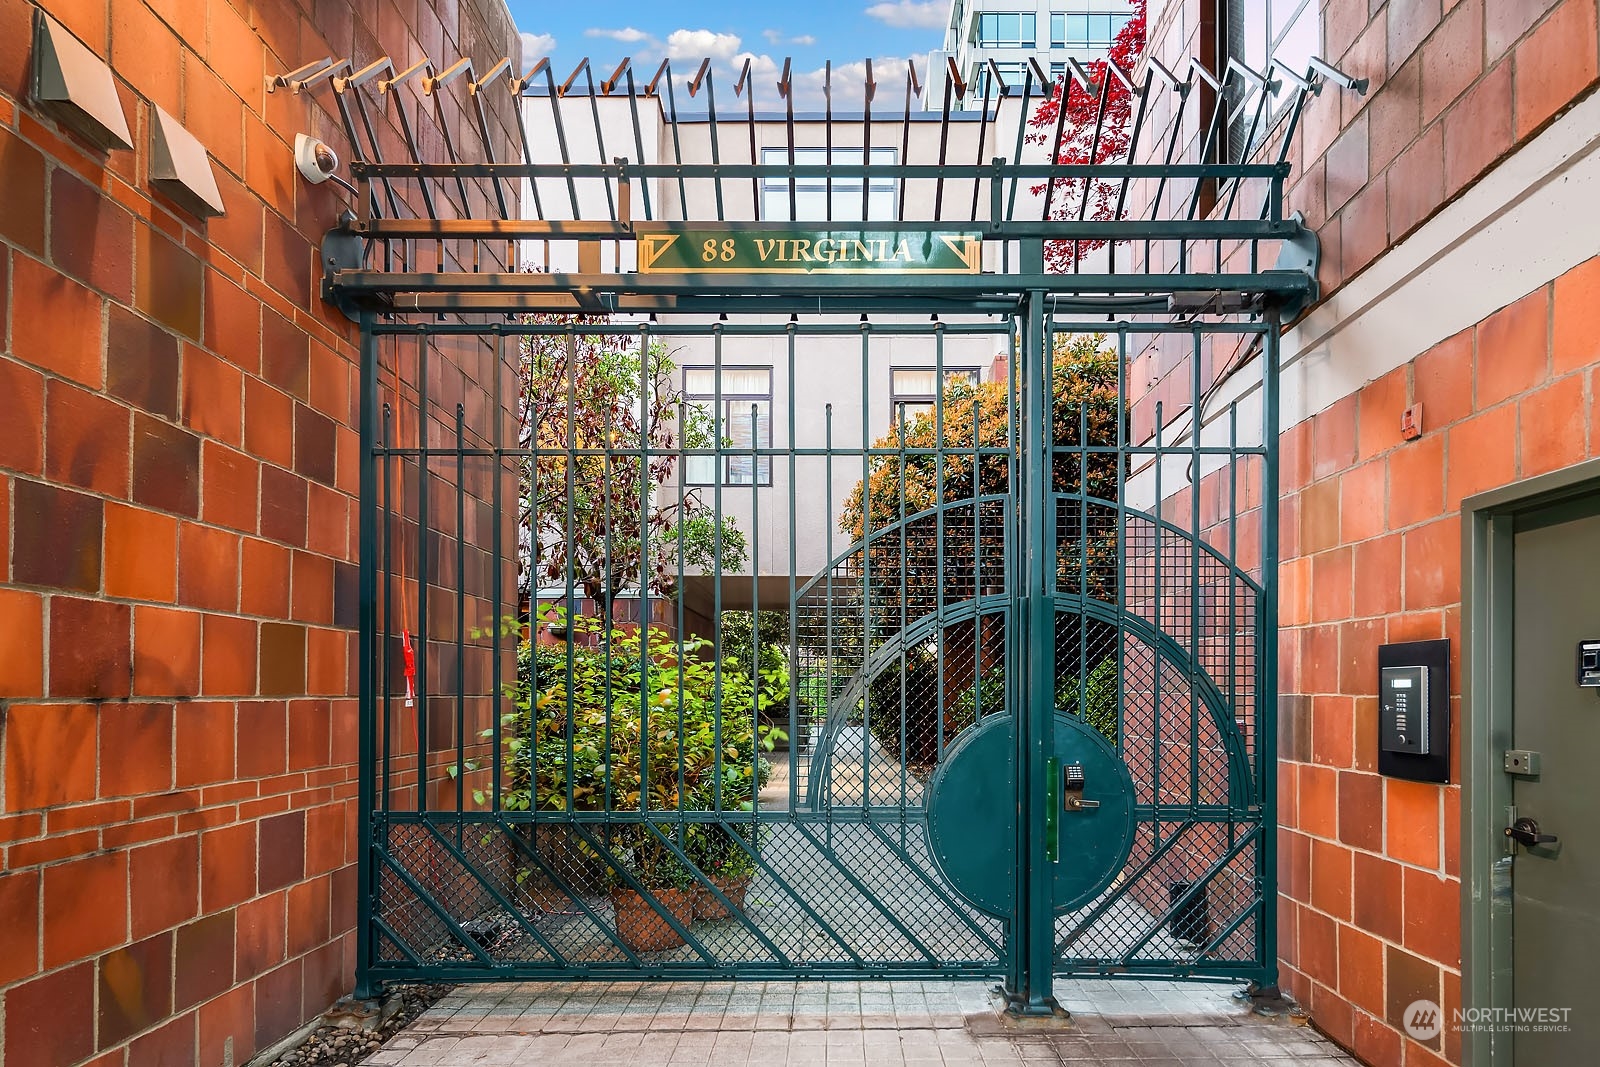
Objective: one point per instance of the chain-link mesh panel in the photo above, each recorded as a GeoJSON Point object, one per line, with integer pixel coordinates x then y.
{"type": "Point", "coordinates": [861, 894]}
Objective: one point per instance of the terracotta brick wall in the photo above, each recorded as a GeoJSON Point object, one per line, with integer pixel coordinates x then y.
{"type": "Point", "coordinates": [1372, 534]}
{"type": "Point", "coordinates": [177, 475]}
{"type": "Point", "coordinates": [1369, 875]}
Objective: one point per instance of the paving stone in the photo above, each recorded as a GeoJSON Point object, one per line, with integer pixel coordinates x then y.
{"type": "Point", "coordinates": [845, 1024]}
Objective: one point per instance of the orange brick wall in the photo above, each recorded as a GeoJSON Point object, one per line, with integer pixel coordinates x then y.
{"type": "Point", "coordinates": [1369, 876]}
{"type": "Point", "coordinates": [178, 464]}
{"type": "Point", "coordinates": [1370, 872]}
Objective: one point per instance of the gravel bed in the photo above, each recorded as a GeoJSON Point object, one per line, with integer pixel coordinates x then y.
{"type": "Point", "coordinates": [340, 1046]}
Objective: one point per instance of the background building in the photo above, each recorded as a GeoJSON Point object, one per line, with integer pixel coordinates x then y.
{"type": "Point", "coordinates": [1009, 34]}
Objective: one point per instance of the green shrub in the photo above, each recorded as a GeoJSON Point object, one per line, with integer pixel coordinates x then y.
{"type": "Point", "coordinates": [636, 722]}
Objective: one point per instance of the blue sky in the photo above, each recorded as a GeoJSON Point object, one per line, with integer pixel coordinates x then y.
{"type": "Point", "coordinates": [845, 31]}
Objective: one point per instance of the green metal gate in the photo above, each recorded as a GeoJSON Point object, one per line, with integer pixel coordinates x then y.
{"type": "Point", "coordinates": [719, 622]}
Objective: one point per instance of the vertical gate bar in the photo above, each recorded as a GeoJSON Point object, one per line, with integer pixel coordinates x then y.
{"type": "Point", "coordinates": [716, 539]}
{"type": "Point", "coordinates": [905, 589]}
{"type": "Point", "coordinates": [755, 604]}
{"type": "Point", "coordinates": [866, 555]}
{"type": "Point", "coordinates": [528, 422]}
{"type": "Point", "coordinates": [1035, 727]}
{"type": "Point", "coordinates": [497, 413]}
{"type": "Point", "coordinates": [682, 621]}
{"type": "Point", "coordinates": [977, 538]}
{"type": "Point", "coordinates": [1195, 477]}
{"type": "Point", "coordinates": [1084, 457]}
{"type": "Point", "coordinates": [569, 341]}
{"type": "Point", "coordinates": [938, 544]}
{"type": "Point", "coordinates": [1122, 538]}
{"type": "Point", "coordinates": [607, 590]}
{"type": "Point", "coordinates": [422, 570]}
{"type": "Point", "coordinates": [827, 617]}
{"type": "Point", "coordinates": [1155, 653]}
{"type": "Point", "coordinates": [1233, 561]}
{"type": "Point", "coordinates": [461, 616]}
{"type": "Point", "coordinates": [1266, 703]}
{"type": "Point", "coordinates": [794, 636]}
{"type": "Point", "coordinates": [366, 720]}
{"type": "Point", "coordinates": [645, 402]}
{"type": "Point", "coordinates": [381, 798]}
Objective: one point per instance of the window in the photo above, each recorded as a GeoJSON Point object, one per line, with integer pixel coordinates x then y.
{"type": "Point", "coordinates": [1255, 32]}
{"type": "Point", "coordinates": [811, 202]}
{"type": "Point", "coordinates": [1089, 34]}
{"type": "Point", "coordinates": [912, 390]}
{"type": "Point", "coordinates": [745, 422]}
{"type": "Point", "coordinates": [1007, 30]}
{"type": "Point", "coordinates": [1010, 74]}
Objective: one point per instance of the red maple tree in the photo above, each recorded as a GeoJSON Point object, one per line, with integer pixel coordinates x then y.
{"type": "Point", "coordinates": [1087, 137]}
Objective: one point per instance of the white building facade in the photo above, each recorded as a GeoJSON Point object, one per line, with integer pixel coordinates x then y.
{"type": "Point", "coordinates": [1009, 33]}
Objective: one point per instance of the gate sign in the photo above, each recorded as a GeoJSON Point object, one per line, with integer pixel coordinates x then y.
{"type": "Point", "coordinates": [810, 252]}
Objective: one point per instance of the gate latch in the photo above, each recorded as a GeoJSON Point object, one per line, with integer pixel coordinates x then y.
{"type": "Point", "coordinates": [1072, 790]}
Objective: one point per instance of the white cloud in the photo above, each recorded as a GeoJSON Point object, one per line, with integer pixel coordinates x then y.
{"type": "Point", "coordinates": [778, 37]}
{"type": "Point", "coordinates": [702, 44]}
{"type": "Point", "coordinates": [848, 83]}
{"type": "Point", "coordinates": [911, 15]}
{"type": "Point", "coordinates": [627, 35]}
{"type": "Point", "coordinates": [536, 46]}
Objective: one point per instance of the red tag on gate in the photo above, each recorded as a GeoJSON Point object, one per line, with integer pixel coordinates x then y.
{"type": "Point", "coordinates": [410, 666]}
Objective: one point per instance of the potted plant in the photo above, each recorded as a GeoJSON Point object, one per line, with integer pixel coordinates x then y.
{"type": "Point", "coordinates": [715, 849]}
{"type": "Point", "coordinates": [642, 724]}
{"type": "Point", "coordinates": [642, 925]}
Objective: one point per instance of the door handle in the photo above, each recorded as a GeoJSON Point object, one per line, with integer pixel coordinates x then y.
{"type": "Point", "coordinates": [1072, 790]}
{"type": "Point", "coordinates": [1525, 831]}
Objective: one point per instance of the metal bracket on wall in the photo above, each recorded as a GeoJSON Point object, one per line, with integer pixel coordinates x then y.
{"type": "Point", "coordinates": [1301, 251]}
{"type": "Point", "coordinates": [342, 249]}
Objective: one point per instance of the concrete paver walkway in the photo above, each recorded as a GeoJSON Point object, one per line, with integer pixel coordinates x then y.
{"type": "Point", "coordinates": [864, 1024]}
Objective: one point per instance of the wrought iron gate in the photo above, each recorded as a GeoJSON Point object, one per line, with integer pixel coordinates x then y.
{"type": "Point", "coordinates": [719, 622]}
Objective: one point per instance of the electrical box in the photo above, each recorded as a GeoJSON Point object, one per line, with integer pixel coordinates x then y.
{"type": "Point", "coordinates": [1414, 710]}
{"type": "Point", "coordinates": [1589, 664]}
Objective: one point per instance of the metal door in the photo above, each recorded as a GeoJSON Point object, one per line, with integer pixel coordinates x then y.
{"type": "Point", "coordinates": [1556, 883]}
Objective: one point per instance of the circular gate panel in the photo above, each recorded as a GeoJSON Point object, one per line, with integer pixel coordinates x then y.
{"type": "Point", "coordinates": [972, 815]}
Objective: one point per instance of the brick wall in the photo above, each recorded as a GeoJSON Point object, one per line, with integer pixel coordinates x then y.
{"type": "Point", "coordinates": [1369, 875]}
{"type": "Point", "coordinates": [177, 480]}
{"type": "Point", "coordinates": [1372, 535]}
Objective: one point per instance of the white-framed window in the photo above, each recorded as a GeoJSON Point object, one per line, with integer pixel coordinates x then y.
{"type": "Point", "coordinates": [1010, 74]}
{"type": "Point", "coordinates": [1086, 32]}
{"type": "Point", "coordinates": [1256, 32]}
{"type": "Point", "coordinates": [811, 194]}
{"type": "Point", "coordinates": [741, 412]}
{"type": "Point", "coordinates": [912, 390]}
{"type": "Point", "coordinates": [1006, 29]}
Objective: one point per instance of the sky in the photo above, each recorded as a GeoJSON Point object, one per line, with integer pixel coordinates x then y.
{"type": "Point", "coordinates": [810, 32]}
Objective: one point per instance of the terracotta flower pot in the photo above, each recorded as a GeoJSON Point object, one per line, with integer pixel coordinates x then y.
{"type": "Point", "coordinates": [642, 928]}
{"type": "Point", "coordinates": [706, 904]}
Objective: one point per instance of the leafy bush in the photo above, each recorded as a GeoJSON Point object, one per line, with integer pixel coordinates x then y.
{"type": "Point", "coordinates": [647, 725]}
